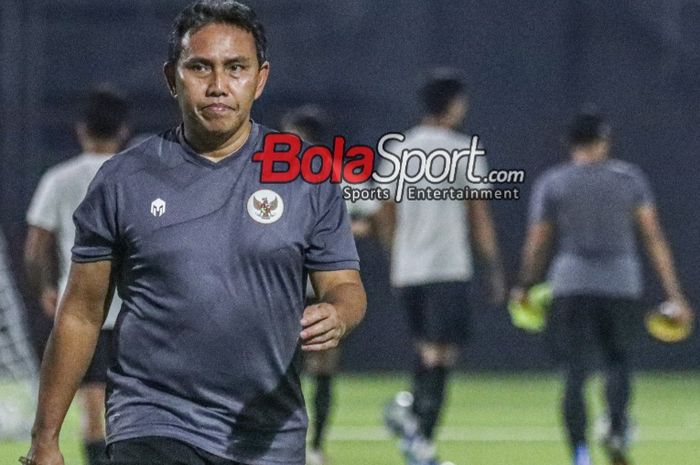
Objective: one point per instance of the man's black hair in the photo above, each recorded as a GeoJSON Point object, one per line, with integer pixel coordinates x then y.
{"type": "Point", "coordinates": [312, 120]}
{"type": "Point", "coordinates": [588, 127]}
{"type": "Point", "coordinates": [441, 88]}
{"type": "Point", "coordinates": [105, 112]}
{"type": "Point", "coordinates": [204, 12]}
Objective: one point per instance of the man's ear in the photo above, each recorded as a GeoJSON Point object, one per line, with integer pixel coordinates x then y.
{"type": "Point", "coordinates": [169, 73]}
{"type": "Point", "coordinates": [264, 73]}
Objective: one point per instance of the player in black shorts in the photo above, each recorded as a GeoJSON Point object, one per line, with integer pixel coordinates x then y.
{"type": "Point", "coordinates": [432, 267]}
{"type": "Point", "coordinates": [593, 207]}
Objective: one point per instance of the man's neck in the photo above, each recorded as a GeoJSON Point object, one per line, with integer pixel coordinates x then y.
{"type": "Point", "coordinates": [101, 147]}
{"type": "Point", "coordinates": [436, 122]}
{"type": "Point", "coordinates": [582, 157]}
{"type": "Point", "coordinates": [217, 147]}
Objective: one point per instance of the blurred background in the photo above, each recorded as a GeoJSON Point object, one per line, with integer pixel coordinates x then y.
{"type": "Point", "coordinates": [530, 65]}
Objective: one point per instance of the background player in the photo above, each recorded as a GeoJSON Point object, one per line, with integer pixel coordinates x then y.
{"type": "Point", "coordinates": [101, 132]}
{"type": "Point", "coordinates": [311, 123]}
{"type": "Point", "coordinates": [431, 266]}
{"type": "Point", "coordinates": [592, 206]}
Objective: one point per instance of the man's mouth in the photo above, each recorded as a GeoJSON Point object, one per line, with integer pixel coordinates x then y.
{"type": "Point", "coordinates": [217, 108]}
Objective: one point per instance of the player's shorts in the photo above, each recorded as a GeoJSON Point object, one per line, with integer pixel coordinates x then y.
{"type": "Point", "coordinates": [580, 326]}
{"type": "Point", "coordinates": [101, 361]}
{"type": "Point", "coordinates": [438, 312]}
{"type": "Point", "coordinates": [155, 450]}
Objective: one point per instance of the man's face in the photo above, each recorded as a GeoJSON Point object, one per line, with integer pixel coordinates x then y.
{"type": "Point", "coordinates": [217, 79]}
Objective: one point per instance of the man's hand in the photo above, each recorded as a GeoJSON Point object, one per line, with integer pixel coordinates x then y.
{"type": "Point", "coordinates": [49, 301]}
{"type": "Point", "coordinates": [322, 327]}
{"type": "Point", "coordinates": [684, 313]}
{"type": "Point", "coordinates": [519, 294]}
{"type": "Point", "coordinates": [44, 453]}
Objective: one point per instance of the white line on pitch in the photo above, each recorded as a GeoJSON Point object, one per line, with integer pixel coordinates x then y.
{"type": "Point", "coordinates": [509, 434]}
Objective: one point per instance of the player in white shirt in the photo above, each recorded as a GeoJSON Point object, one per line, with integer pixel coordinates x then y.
{"type": "Point", "coordinates": [101, 132]}
{"type": "Point", "coordinates": [431, 267]}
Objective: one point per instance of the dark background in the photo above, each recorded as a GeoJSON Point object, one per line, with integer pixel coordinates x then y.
{"type": "Point", "coordinates": [530, 66]}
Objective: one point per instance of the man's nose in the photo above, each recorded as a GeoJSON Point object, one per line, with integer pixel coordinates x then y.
{"type": "Point", "coordinates": [217, 85]}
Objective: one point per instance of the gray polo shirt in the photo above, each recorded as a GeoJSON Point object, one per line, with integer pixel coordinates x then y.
{"type": "Point", "coordinates": [212, 268]}
{"type": "Point", "coordinates": [592, 208]}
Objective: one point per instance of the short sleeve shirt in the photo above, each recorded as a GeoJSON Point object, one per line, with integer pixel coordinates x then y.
{"type": "Point", "coordinates": [431, 240]}
{"type": "Point", "coordinates": [592, 208]}
{"type": "Point", "coordinates": [213, 265]}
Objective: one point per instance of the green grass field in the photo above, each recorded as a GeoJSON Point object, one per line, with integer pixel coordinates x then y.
{"type": "Point", "coordinates": [490, 420]}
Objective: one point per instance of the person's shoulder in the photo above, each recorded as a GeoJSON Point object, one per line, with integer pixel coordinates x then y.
{"type": "Point", "coordinates": [424, 131]}
{"type": "Point", "coordinates": [64, 170]}
{"type": "Point", "coordinates": [149, 151]}
{"type": "Point", "coordinates": [625, 168]}
{"type": "Point", "coordinates": [460, 138]}
{"type": "Point", "coordinates": [263, 131]}
{"type": "Point", "coordinates": [443, 137]}
{"type": "Point", "coordinates": [556, 172]}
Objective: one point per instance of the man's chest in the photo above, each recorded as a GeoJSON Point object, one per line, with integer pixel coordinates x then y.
{"type": "Point", "coordinates": [213, 219]}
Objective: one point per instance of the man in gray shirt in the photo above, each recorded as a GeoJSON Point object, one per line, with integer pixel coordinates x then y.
{"type": "Point", "coordinates": [594, 206]}
{"type": "Point", "coordinates": [211, 265]}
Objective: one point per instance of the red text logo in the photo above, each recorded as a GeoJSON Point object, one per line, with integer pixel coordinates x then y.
{"type": "Point", "coordinates": [283, 160]}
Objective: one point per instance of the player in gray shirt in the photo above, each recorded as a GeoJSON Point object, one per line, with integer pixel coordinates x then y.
{"type": "Point", "coordinates": [211, 265]}
{"type": "Point", "coordinates": [593, 207]}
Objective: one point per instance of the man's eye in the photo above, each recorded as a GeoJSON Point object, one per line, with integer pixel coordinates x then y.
{"type": "Point", "coordinates": [198, 67]}
{"type": "Point", "coordinates": [236, 68]}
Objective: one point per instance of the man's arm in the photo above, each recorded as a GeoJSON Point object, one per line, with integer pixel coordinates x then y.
{"type": "Point", "coordinates": [659, 252]}
{"type": "Point", "coordinates": [41, 267]}
{"type": "Point", "coordinates": [536, 250]}
{"type": "Point", "coordinates": [342, 305]}
{"type": "Point", "coordinates": [68, 353]}
{"type": "Point", "coordinates": [483, 236]}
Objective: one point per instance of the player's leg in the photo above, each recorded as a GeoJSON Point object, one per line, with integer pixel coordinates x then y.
{"type": "Point", "coordinates": [568, 337]}
{"type": "Point", "coordinates": [322, 366]}
{"type": "Point", "coordinates": [91, 395]}
{"type": "Point", "coordinates": [615, 326]}
{"type": "Point", "coordinates": [438, 317]}
{"type": "Point", "coordinates": [435, 363]}
{"type": "Point", "coordinates": [446, 328]}
{"type": "Point", "coordinates": [92, 400]}
{"type": "Point", "coordinates": [398, 414]}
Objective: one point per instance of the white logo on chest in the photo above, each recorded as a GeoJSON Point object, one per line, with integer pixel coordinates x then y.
{"type": "Point", "coordinates": [158, 207]}
{"type": "Point", "coordinates": [265, 206]}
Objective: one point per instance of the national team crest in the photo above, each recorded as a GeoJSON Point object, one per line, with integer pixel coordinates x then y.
{"type": "Point", "coordinates": [265, 206]}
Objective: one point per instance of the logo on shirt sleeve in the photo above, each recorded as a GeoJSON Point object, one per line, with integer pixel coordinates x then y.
{"type": "Point", "coordinates": [265, 206]}
{"type": "Point", "coordinates": [158, 207]}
